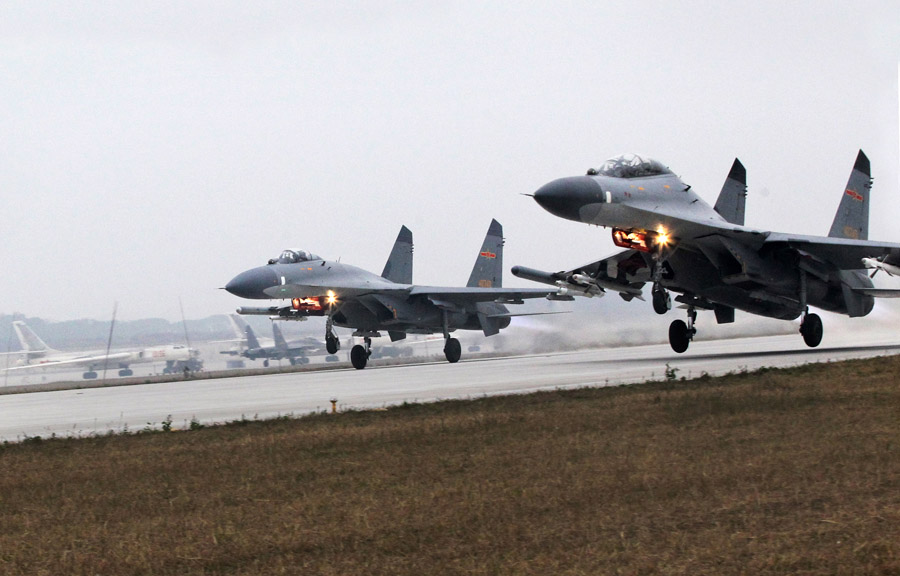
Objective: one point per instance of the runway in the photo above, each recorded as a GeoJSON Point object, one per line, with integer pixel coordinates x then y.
{"type": "Point", "coordinates": [96, 411]}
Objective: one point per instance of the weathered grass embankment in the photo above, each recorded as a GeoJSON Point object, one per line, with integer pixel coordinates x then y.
{"type": "Point", "coordinates": [781, 471]}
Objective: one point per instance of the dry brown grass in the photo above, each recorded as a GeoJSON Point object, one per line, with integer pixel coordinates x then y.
{"type": "Point", "coordinates": [787, 471]}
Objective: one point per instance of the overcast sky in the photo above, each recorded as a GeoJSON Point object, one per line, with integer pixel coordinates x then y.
{"type": "Point", "coordinates": [152, 150]}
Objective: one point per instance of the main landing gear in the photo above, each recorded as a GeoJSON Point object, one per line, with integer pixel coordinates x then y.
{"type": "Point", "coordinates": [811, 329]}
{"type": "Point", "coordinates": [810, 324]}
{"type": "Point", "coordinates": [359, 355]}
{"type": "Point", "coordinates": [681, 333]}
{"type": "Point", "coordinates": [452, 350]}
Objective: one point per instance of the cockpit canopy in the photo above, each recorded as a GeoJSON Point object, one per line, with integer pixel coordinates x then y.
{"type": "Point", "coordinates": [630, 166]}
{"type": "Point", "coordinates": [294, 256]}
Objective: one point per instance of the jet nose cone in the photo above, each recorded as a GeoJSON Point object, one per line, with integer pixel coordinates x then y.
{"type": "Point", "coordinates": [566, 196]}
{"type": "Point", "coordinates": [252, 283]}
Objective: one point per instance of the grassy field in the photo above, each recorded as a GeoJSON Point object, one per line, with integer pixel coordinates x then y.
{"type": "Point", "coordinates": [782, 471]}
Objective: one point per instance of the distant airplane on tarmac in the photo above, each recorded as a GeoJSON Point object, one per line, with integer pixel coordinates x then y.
{"type": "Point", "coordinates": [677, 242]}
{"type": "Point", "coordinates": [37, 355]}
{"type": "Point", "coordinates": [351, 297]}
{"type": "Point", "coordinates": [295, 351]}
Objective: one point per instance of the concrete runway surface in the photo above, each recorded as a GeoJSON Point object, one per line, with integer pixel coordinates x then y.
{"type": "Point", "coordinates": [96, 411]}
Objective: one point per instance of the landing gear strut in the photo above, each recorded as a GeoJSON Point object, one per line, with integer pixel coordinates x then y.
{"type": "Point", "coordinates": [359, 355]}
{"type": "Point", "coordinates": [681, 333]}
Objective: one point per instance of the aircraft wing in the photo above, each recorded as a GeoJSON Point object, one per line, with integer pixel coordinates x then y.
{"type": "Point", "coordinates": [79, 361]}
{"type": "Point", "coordinates": [625, 272]}
{"type": "Point", "coordinates": [463, 296]}
{"type": "Point", "coordinates": [842, 253]}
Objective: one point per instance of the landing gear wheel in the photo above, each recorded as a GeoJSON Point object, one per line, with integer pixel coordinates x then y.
{"type": "Point", "coordinates": [332, 345]}
{"type": "Point", "coordinates": [679, 336]}
{"type": "Point", "coordinates": [811, 330]}
{"type": "Point", "coordinates": [452, 350]}
{"type": "Point", "coordinates": [661, 301]}
{"type": "Point", "coordinates": [266, 363]}
{"type": "Point", "coordinates": [304, 360]}
{"type": "Point", "coordinates": [358, 357]}
{"type": "Point", "coordinates": [293, 361]}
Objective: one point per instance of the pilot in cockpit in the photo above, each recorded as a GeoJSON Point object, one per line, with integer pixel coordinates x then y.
{"type": "Point", "coordinates": [293, 257]}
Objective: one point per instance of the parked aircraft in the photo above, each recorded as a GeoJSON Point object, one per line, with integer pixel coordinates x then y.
{"type": "Point", "coordinates": [295, 351]}
{"type": "Point", "coordinates": [36, 354]}
{"type": "Point", "coordinates": [677, 242]}
{"type": "Point", "coordinates": [351, 297]}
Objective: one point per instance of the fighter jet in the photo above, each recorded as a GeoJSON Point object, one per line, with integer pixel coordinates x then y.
{"type": "Point", "coordinates": [354, 298]}
{"type": "Point", "coordinates": [678, 243]}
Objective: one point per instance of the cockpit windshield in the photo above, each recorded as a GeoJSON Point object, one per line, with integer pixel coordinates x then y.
{"type": "Point", "coordinates": [630, 166]}
{"type": "Point", "coordinates": [294, 256]}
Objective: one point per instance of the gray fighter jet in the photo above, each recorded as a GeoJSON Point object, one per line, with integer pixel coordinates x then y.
{"type": "Point", "coordinates": [677, 242]}
{"type": "Point", "coordinates": [354, 298]}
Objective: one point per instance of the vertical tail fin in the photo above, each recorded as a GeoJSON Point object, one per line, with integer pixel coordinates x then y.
{"type": "Point", "coordinates": [488, 271]}
{"type": "Point", "coordinates": [28, 339]}
{"type": "Point", "coordinates": [252, 342]}
{"type": "Point", "coordinates": [399, 266]}
{"type": "Point", "coordinates": [238, 325]}
{"type": "Point", "coordinates": [280, 342]}
{"type": "Point", "coordinates": [733, 196]}
{"type": "Point", "coordinates": [852, 218]}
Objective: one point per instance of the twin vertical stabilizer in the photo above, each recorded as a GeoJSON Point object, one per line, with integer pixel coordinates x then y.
{"type": "Point", "coordinates": [733, 197]}
{"type": "Point", "coordinates": [488, 271]}
{"type": "Point", "coordinates": [852, 218]}
{"type": "Point", "coordinates": [399, 267]}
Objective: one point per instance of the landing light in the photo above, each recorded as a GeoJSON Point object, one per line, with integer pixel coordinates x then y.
{"type": "Point", "coordinates": [662, 237]}
{"type": "Point", "coordinates": [331, 298]}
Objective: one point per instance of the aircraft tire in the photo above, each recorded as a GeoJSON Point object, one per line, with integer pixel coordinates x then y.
{"type": "Point", "coordinates": [452, 350]}
{"type": "Point", "coordinates": [331, 344]}
{"type": "Point", "coordinates": [812, 330]}
{"type": "Point", "coordinates": [304, 360]}
{"type": "Point", "coordinates": [358, 357]}
{"type": "Point", "coordinates": [679, 338]}
{"type": "Point", "coordinates": [661, 302]}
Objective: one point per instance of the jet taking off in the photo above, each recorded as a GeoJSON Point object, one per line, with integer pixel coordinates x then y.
{"type": "Point", "coordinates": [677, 242]}
{"type": "Point", "coordinates": [354, 298]}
